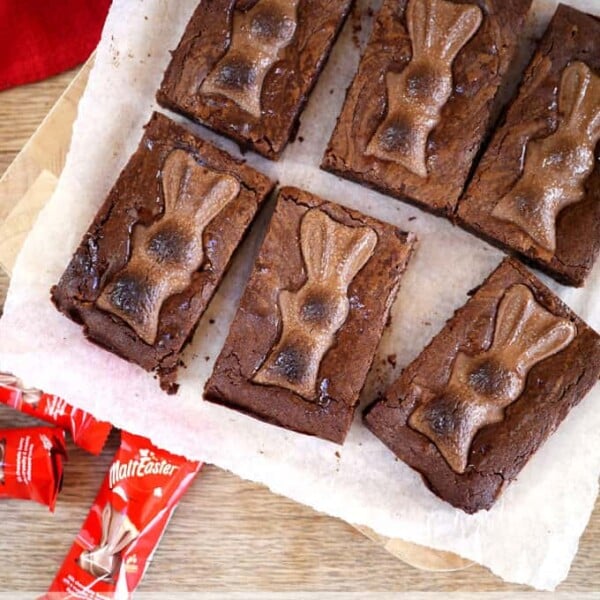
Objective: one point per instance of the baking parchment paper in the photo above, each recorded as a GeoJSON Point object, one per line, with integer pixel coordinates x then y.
{"type": "Point", "coordinates": [531, 534]}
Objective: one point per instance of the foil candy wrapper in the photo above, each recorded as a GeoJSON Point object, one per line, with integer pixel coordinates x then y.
{"type": "Point", "coordinates": [87, 432]}
{"type": "Point", "coordinates": [31, 464]}
{"type": "Point", "coordinates": [134, 505]}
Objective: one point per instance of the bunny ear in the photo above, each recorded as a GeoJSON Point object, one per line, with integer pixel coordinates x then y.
{"type": "Point", "coordinates": [419, 24]}
{"type": "Point", "coordinates": [513, 312]}
{"type": "Point", "coordinates": [579, 98]}
{"type": "Point", "coordinates": [573, 88]}
{"type": "Point", "coordinates": [528, 329]}
{"type": "Point", "coordinates": [557, 334]}
{"type": "Point", "coordinates": [316, 231]}
{"type": "Point", "coordinates": [462, 23]}
{"type": "Point", "coordinates": [333, 251]}
{"type": "Point", "coordinates": [175, 173]}
{"type": "Point", "coordinates": [106, 517]}
{"type": "Point", "coordinates": [220, 190]}
{"type": "Point", "coordinates": [121, 533]}
{"type": "Point", "coordinates": [359, 249]}
{"type": "Point", "coordinates": [185, 181]}
{"type": "Point", "coordinates": [441, 26]}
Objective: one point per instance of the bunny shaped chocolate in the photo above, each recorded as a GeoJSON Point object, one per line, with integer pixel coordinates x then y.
{"type": "Point", "coordinates": [438, 30]}
{"type": "Point", "coordinates": [258, 36]}
{"type": "Point", "coordinates": [482, 386]}
{"type": "Point", "coordinates": [333, 254]}
{"type": "Point", "coordinates": [117, 533]}
{"type": "Point", "coordinates": [557, 166]}
{"type": "Point", "coordinates": [165, 254]}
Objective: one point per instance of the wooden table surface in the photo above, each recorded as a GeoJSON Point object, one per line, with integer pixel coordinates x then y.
{"type": "Point", "coordinates": [228, 534]}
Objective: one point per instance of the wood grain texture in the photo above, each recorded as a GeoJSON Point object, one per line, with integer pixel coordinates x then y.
{"type": "Point", "coordinates": [228, 534]}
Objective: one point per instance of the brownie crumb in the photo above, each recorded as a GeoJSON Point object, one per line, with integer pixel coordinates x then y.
{"type": "Point", "coordinates": [331, 91]}
{"type": "Point", "coordinates": [337, 454]}
{"type": "Point", "coordinates": [412, 218]}
{"type": "Point", "coordinates": [391, 358]}
{"type": "Point", "coordinates": [300, 139]}
{"type": "Point", "coordinates": [207, 358]}
{"type": "Point", "coordinates": [211, 321]}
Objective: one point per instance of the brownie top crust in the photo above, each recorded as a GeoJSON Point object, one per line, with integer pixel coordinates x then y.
{"type": "Point", "coordinates": [481, 398]}
{"type": "Point", "coordinates": [159, 246]}
{"type": "Point", "coordinates": [536, 190]}
{"type": "Point", "coordinates": [246, 68]}
{"type": "Point", "coordinates": [309, 321]}
{"type": "Point", "coordinates": [424, 97]}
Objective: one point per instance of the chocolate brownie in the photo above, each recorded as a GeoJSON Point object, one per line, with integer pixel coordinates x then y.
{"type": "Point", "coordinates": [536, 192]}
{"type": "Point", "coordinates": [424, 97]}
{"type": "Point", "coordinates": [311, 317]}
{"type": "Point", "coordinates": [159, 246]}
{"type": "Point", "coordinates": [477, 403]}
{"type": "Point", "coordinates": [246, 68]}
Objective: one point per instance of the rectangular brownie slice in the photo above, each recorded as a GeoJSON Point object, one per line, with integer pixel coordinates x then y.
{"type": "Point", "coordinates": [159, 246]}
{"type": "Point", "coordinates": [536, 191]}
{"type": "Point", "coordinates": [483, 396]}
{"type": "Point", "coordinates": [424, 96]}
{"type": "Point", "coordinates": [245, 68]}
{"type": "Point", "coordinates": [311, 317]}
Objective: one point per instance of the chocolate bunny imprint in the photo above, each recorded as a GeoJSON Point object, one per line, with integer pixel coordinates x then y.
{"type": "Point", "coordinates": [257, 38]}
{"type": "Point", "coordinates": [165, 254]}
{"type": "Point", "coordinates": [117, 533]}
{"type": "Point", "coordinates": [482, 386]}
{"type": "Point", "coordinates": [438, 30]}
{"type": "Point", "coordinates": [557, 166]}
{"type": "Point", "coordinates": [310, 317]}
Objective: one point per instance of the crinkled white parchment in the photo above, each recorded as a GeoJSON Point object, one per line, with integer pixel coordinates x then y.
{"type": "Point", "coordinates": [530, 535]}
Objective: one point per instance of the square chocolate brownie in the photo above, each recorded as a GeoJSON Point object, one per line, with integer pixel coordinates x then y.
{"type": "Point", "coordinates": [245, 68]}
{"type": "Point", "coordinates": [424, 97]}
{"type": "Point", "coordinates": [536, 192]}
{"type": "Point", "coordinates": [311, 317]}
{"type": "Point", "coordinates": [483, 396]}
{"type": "Point", "coordinates": [159, 246]}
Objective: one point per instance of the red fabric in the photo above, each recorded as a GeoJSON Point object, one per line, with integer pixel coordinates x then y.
{"type": "Point", "coordinates": [39, 38]}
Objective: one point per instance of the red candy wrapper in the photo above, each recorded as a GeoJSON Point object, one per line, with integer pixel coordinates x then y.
{"type": "Point", "coordinates": [116, 543]}
{"type": "Point", "coordinates": [87, 432]}
{"type": "Point", "coordinates": [31, 464]}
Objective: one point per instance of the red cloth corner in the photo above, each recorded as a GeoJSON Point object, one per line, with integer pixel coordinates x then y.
{"type": "Point", "coordinates": [39, 38]}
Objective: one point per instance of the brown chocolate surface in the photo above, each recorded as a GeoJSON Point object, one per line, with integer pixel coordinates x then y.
{"type": "Point", "coordinates": [159, 246]}
{"type": "Point", "coordinates": [311, 317]}
{"type": "Point", "coordinates": [513, 347]}
{"type": "Point", "coordinates": [422, 101]}
{"type": "Point", "coordinates": [246, 68]}
{"type": "Point", "coordinates": [536, 191]}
